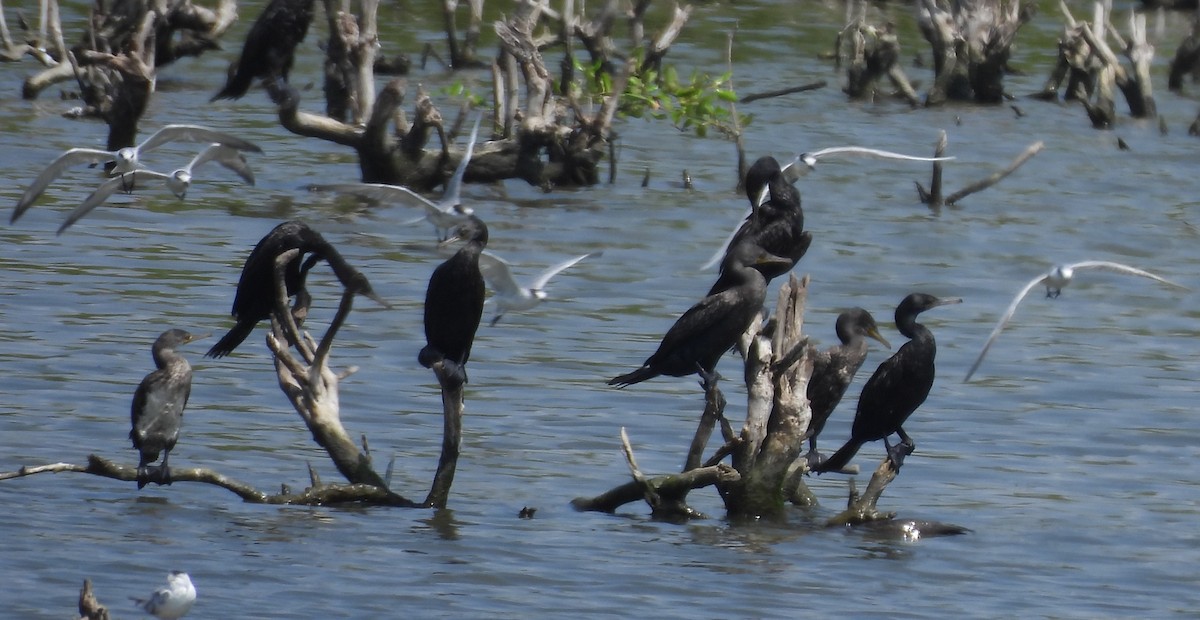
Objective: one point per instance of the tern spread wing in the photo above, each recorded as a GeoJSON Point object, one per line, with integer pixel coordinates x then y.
{"type": "Point", "coordinates": [811, 158]}
{"type": "Point", "coordinates": [1008, 314]}
{"type": "Point", "coordinates": [194, 133]}
{"type": "Point", "coordinates": [452, 197]}
{"type": "Point", "coordinates": [72, 157]}
{"type": "Point", "coordinates": [226, 156]}
{"type": "Point", "coordinates": [108, 188]}
{"type": "Point", "coordinates": [381, 192]}
{"type": "Point", "coordinates": [1119, 268]}
{"type": "Point", "coordinates": [720, 253]}
{"type": "Point", "coordinates": [498, 274]}
{"type": "Point", "coordinates": [539, 283]}
{"type": "Point", "coordinates": [1067, 269]}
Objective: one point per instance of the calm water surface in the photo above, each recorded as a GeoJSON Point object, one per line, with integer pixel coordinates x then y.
{"type": "Point", "coordinates": [1072, 457]}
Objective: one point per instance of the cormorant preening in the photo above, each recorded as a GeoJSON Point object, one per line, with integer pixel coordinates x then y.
{"type": "Point", "coordinates": [270, 46]}
{"type": "Point", "coordinates": [454, 301]}
{"type": "Point", "coordinates": [158, 404]}
{"type": "Point", "coordinates": [255, 297]}
{"type": "Point", "coordinates": [897, 388]}
{"type": "Point", "coordinates": [776, 223]}
{"type": "Point", "coordinates": [834, 369]}
{"type": "Point", "coordinates": [711, 327]}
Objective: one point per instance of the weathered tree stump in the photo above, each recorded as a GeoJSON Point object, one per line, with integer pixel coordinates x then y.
{"type": "Point", "coordinates": [971, 46]}
{"type": "Point", "coordinates": [1187, 59]}
{"type": "Point", "coordinates": [873, 53]}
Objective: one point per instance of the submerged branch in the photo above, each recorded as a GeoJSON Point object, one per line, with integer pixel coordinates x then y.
{"type": "Point", "coordinates": [994, 178]}
{"type": "Point", "coordinates": [313, 496]}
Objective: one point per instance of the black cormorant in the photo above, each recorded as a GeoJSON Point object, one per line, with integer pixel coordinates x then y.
{"type": "Point", "coordinates": [776, 222]}
{"type": "Point", "coordinates": [711, 327]}
{"type": "Point", "coordinates": [255, 297]}
{"type": "Point", "coordinates": [270, 46]}
{"type": "Point", "coordinates": [158, 404]}
{"type": "Point", "coordinates": [897, 388]}
{"type": "Point", "coordinates": [834, 369]}
{"type": "Point", "coordinates": [454, 301]}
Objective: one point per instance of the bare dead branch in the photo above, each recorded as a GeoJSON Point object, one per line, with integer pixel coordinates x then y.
{"type": "Point", "coordinates": [781, 92]}
{"type": "Point", "coordinates": [996, 177]}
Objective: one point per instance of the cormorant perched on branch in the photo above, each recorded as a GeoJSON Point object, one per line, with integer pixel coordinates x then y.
{"type": "Point", "coordinates": [454, 301]}
{"type": "Point", "coordinates": [834, 369]}
{"type": "Point", "coordinates": [270, 46]}
{"type": "Point", "coordinates": [897, 388]}
{"type": "Point", "coordinates": [158, 403]}
{"type": "Point", "coordinates": [255, 297]}
{"type": "Point", "coordinates": [776, 222]}
{"type": "Point", "coordinates": [711, 327]}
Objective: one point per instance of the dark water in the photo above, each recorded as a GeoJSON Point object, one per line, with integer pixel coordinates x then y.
{"type": "Point", "coordinates": [1071, 456]}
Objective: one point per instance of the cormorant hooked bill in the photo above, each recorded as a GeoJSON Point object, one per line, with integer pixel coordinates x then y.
{"type": "Point", "coordinates": [708, 329]}
{"type": "Point", "coordinates": [270, 46]}
{"type": "Point", "coordinates": [158, 403]}
{"type": "Point", "coordinates": [898, 387]}
{"type": "Point", "coordinates": [454, 301]}
{"type": "Point", "coordinates": [834, 369]}
{"type": "Point", "coordinates": [255, 297]}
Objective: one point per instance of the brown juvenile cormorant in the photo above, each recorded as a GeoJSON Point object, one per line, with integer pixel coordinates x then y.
{"type": "Point", "coordinates": [711, 327]}
{"type": "Point", "coordinates": [776, 223]}
{"type": "Point", "coordinates": [834, 369]}
{"type": "Point", "coordinates": [158, 404]}
{"type": "Point", "coordinates": [897, 388]}
{"type": "Point", "coordinates": [255, 297]}
{"type": "Point", "coordinates": [270, 46]}
{"type": "Point", "coordinates": [454, 301]}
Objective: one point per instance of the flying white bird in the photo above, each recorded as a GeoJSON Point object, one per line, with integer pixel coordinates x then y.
{"type": "Point", "coordinates": [126, 159]}
{"type": "Point", "coordinates": [810, 159]}
{"type": "Point", "coordinates": [178, 181]}
{"type": "Point", "coordinates": [173, 601]}
{"type": "Point", "coordinates": [510, 295]}
{"type": "Point", "coordinates": [444, 214]}
{"type": "Point", "coordinates": [1055, 281]}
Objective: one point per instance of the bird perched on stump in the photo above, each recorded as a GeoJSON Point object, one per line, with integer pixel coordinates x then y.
{"type": "Point", "coordinates": [898, 387]}
{"type": "Point", "coordinates": [270, 46]}
{"type": "Point", "coordinates": [708, 329]}
{"type": "Point", "coordinates": [834, 369]}
{"type": "Point", "coordinates": [255, 297]}
{"type": "Point", "coordinates": [454, 301]}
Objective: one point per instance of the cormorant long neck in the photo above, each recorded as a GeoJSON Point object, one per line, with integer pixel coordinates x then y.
{"type": "Point", "coordinates": [906, 323]}
{"type": "Point", "coordinates": [165, 356]}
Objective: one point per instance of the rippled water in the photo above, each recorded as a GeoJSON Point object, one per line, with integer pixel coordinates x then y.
{"type": "Point", "coordinates": [1071, 457]}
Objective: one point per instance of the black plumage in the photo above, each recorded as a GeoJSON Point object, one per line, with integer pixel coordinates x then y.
{"type": "Point", "coordinates": [270, 46]}
{"type": "Point", "coordinates": [454, 301]}
{"type": "Point", "coordinates": [776, 223]}
{"type": "Point", "coordinates": [158, 404]}
{"type": "Point", "coordinates": [255, 297]}
{"type": "Point", "coordinates": [898, 387]}
{"type": "Point", "coordinates": [834, 369]}
{"type": "Point", "coordinates": [711, 327]}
